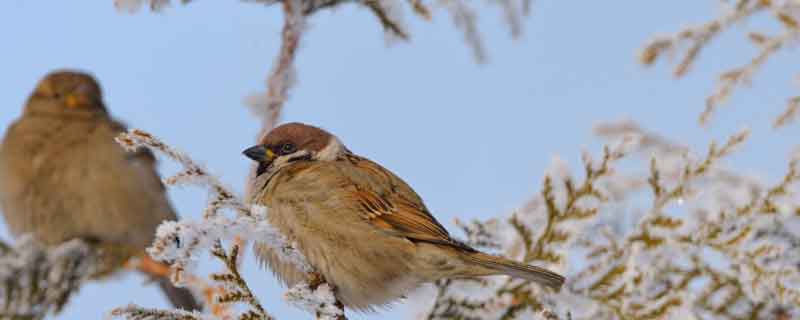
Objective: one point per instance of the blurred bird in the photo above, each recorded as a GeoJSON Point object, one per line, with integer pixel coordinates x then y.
{"type": "Point", "coordinates": [62, 176]}
{"type": "Point", "coordinates": [359, 225]}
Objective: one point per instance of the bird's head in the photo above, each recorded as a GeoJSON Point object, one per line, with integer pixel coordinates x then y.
{"type": "Point", "coordinates": [67, 91]}
{"type": "Point", "coordinates": [294, 142]}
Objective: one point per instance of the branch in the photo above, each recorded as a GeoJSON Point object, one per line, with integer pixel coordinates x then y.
{"type": "Point", "coordinates": [696, 249]}
{"type": "Point", "coordinates": [240, 291]}
{"type": "Point", "coordinates": [178, 243]}
{"type": "Point", "coordinates": [388, 13]}
{"type": "Point", "coordinates": [697, 38]}
{"type": "Point", "coordinates": [281, 78]}
{"type": "Point", "coordinates": [37, 281]}
{"type": "Point", "coordinates": [135, 312]}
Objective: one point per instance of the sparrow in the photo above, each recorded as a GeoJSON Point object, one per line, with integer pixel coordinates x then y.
{"type": "Point", "coordinates": [363, 229]}
{"type": "Point", "coordinates": [63, 177]}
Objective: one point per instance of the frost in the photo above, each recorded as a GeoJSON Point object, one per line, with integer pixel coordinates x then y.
{"type": "Point", "coordinates": [680, 237]}
{"type": "Point", "coordinates": [319, 300]}
{"type": "Point", "coordinates": [133, 6]}
{"type": "Point", "coordinates": [689, 42]}
{"type": "Point", "coordinates": [226, 219]}
{"type": "Point", "coordinates": [134, 312]}
{"type": "Point", "coordinates": [38, 280]}
{"type": "Point", "coordinates": [465, 19]}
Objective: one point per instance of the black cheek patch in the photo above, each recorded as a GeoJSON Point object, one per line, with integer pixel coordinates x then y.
{"type": "Point", "coordinates": [262, 167]}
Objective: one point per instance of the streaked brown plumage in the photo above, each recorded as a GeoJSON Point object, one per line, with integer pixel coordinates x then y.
{"type": "Point", "coordinates": [362, 227]}
{"type": "Point", "coordinates": [62, 176]}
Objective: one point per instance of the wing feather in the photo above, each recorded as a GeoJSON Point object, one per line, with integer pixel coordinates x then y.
{"type": "Point", "coordinates": [391, 205]}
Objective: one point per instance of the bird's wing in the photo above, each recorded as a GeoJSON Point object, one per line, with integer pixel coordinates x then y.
{"type": "Point", "coordinates": [133, 197]}
{"type": "Point", "coordinates": [64, 179]}
{"type": "Point", "coordinates": [142, 156]}
{"type": "Point", "coordinates": [388, 203]}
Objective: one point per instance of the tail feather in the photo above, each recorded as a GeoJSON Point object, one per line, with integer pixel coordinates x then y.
{"type": "Point", "coordinates": [500, 265]}
{"type": "Point", "coordinates": [179, 297]}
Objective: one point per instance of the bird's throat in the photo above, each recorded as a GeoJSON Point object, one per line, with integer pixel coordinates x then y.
{"type": "Point", "coordinates": [262, 168]}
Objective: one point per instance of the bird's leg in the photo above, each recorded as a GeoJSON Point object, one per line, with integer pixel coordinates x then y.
{"type": "Point", "coordinates": [315, 280]}
{"type": "Point", "coordinates": [156, 270]}
{"type": "Point", "coordinates": [150, 267]}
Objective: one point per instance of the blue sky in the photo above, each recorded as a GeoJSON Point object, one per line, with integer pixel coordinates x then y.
{"type": "Point", "coordinates": [473, 140]}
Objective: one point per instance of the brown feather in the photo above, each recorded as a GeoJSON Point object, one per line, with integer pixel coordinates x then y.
{"type": "Point", "coordinates": [62, 175]}
{"type": "Point", "coordinates": [392, 202]}
{"type": "Point", "coordinates": [361, 226]}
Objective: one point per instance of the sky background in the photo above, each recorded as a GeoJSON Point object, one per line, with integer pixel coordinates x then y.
{"type": "Point", "coordinates": [473, 140]}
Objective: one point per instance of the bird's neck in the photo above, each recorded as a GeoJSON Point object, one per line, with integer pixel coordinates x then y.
{"type": "Point", "coordinates": [332, 151]}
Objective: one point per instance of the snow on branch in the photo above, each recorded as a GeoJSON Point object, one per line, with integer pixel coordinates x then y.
{"type": "Point", "coordinates": [192, 174]}
{"type": "Point", "coordinates": [178, 243]}
{"type": "Point", "coordinates": [387, 12]}
{"type": "Point", "coordinates": [316, 297]}
{"type": "Point", "coordinates": [267, 106]}
{"type": "Point", "coordinates": [690, 41]}
{"type": "Point", "coordinates": [693, 240]}
{"type": "Point", "coordinates": [37, 280]}
{"type": "Point", "coordinates": [134, 312]}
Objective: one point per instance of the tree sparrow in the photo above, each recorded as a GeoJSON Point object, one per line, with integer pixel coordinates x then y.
{"type": "Point", "coordinates": [362, 227]}
{"type": "Point", "coordinates": [62, 176]}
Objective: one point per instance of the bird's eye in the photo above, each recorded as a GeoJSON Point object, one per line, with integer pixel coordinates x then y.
{"type": "Point", "coordinates": [287, 148]}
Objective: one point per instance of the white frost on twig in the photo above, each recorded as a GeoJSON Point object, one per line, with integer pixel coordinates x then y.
{"type": "Point", "coordinates": [134, 312]}
{"type": "Point", "coordinates": [37, 280]}
{"type": "Point", "coordinates": [465, 19]}
{"type": "Point", "coordinates": [133, 6]}
{"type": "Point", "coordinates": [180, 242]}
{"type": "Point", "coordinates": [281, 78]}
{"type": "Point", "coordinates": [705, 243]}
{"type": "Point", "coordinates": [394, 13]}
{"type": "Point", "coordinates": [512, 15]}
{"type": "Point", "coordinates": [192, 173]}
{"type": "Point", "coordinates": [320, 301]}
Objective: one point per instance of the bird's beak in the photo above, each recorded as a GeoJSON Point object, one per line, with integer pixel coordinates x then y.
{"type": "Point", "coordinates": [77, 100]}
{"type": "Point", "coordinates": [259, 153]}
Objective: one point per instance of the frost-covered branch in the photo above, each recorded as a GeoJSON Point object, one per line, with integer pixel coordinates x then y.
{"type": "Point", "coordinates": [179, 242]}
{"type": "Point", "coordinates": [465, 19]}
{"type": "Point", "coordinates": [683, 238]}
{"type": "Point", "coordinates": [191, 174]}
{"type": "Point", "coordinates": [238, 291]}
{"type": "Point", "coordinates": [692, 40]}
{"type": "Point", "coordinates": [539, 237]}
{"type": "Point", "coordinates": [267, 106]}
{"type": "Point", "coordinates": [134, 312]}
{"type": "Point", "coordinates": [37, 280]}
{"type": "Point", "coordinates": [316, 297]}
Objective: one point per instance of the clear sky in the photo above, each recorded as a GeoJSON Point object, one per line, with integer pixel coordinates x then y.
{"type": "Point", "coordinates": [473, 140]}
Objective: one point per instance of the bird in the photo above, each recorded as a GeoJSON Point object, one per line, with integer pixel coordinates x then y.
{"type": "Point", "coordinates": [361, 227]}
{"type": "Point", "coordinates": [64, 177]}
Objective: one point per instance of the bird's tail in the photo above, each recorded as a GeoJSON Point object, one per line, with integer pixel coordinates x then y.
{"type": "Point", "coordinates": [494, 265]}
{"type": "Point", "coordinates": [179, 297]}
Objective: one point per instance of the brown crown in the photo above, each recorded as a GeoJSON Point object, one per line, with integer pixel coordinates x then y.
{"type": "Point", "coordinates": [303, 136]}
{"type": "Point", "coordinates": [63, 82]}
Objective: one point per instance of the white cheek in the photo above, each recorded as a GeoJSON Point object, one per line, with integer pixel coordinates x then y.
{"type": "Point", "coordinates": [282, 161]}
{"type": "Point", "coordinates": [332, 150]}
